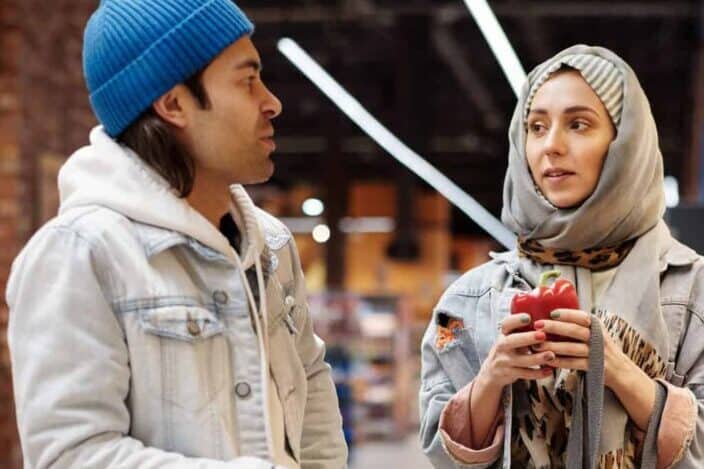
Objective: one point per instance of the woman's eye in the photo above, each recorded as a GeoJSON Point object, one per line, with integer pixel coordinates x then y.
{"type": "Point", "coordinates": [580, 125]}
{"type": "Point", "coordinates": [536, 127]}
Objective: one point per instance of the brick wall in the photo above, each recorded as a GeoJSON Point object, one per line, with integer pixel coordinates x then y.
{"type": "Point", "coordinates": [12, 220]}
{"type": "Point", "coordinates": [44, 116]}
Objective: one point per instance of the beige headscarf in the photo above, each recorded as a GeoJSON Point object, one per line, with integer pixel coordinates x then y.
{"type": "Point", "coordinates": [616, 211]}
{"type": "Point", "coordinates": [627, 204]}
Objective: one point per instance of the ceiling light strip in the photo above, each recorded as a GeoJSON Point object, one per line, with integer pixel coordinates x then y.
{"type": "Point", "coordinates": [498, 42]}
{"type": "Point", "coordinates": [372, 127]}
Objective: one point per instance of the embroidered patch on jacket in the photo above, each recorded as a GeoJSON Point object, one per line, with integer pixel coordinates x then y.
{"type": "Point", "coordinates": [447, 330]}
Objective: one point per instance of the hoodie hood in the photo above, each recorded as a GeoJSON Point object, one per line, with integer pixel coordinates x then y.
{"type": "Point", "coordinates": [110, 175]}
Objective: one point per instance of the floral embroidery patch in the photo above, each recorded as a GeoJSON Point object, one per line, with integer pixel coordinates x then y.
{"type": "Point", "coordinates": [448, 328]}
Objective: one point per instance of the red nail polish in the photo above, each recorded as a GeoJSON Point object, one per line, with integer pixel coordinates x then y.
{"type": "Point", "coordinates": [538, 324]}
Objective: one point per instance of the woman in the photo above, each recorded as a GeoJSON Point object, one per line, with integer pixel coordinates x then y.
{"type": "Point", "coordinates": [584, 194]}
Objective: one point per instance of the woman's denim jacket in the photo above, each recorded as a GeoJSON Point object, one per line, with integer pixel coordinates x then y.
{"type": "Point", "coordinates": [482, 297]}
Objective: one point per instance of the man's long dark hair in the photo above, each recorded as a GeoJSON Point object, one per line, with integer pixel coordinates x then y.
{"type": "Point", "coordinates": [154, 140]}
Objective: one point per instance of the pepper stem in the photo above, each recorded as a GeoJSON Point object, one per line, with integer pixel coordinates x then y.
{"type": "Point", "coordinates": [546, 276]}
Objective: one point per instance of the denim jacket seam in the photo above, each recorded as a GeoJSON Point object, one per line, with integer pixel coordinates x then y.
{"type": "Point", "coordinates": [104, 274]}
{"type": "Point", "coordinates": [170, 241]}
{"type": "Point", "coordinates": [140, 304]}
{"type": "Point", "coordinates": [71, 230]}
{"type": "Point", "coordinates": [429, 384]}
{"type": "Point", "coordinates": [470, 293]}
{"type": "Point", "coordinates": [696, 312]}
{"type": "Point", "coordinates": [675, 301]}
{"type": "Point", "coordinates": [181, 337]}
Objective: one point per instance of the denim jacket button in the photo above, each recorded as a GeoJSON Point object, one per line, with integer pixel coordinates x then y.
{"type": "Point", "coordinates": [243, 389]}
{"type": "Point", "coordinates": [193, 328]}
{"type": "Point", "coordinates": [220, 297]}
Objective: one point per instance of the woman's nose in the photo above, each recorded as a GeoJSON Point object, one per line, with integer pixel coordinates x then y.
{"type": "Point", "coordinates": [555, 144]}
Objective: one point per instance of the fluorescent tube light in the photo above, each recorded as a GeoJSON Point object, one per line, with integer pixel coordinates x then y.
{"type": "Point", "coordinates": [372, 127]}
{"type": "Point", "coordinates": [498, 42]}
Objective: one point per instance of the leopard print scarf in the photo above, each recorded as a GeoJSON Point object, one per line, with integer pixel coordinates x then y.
{"type": "Point", "coordinates": [594, 259]}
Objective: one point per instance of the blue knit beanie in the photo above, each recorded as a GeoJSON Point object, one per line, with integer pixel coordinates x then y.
{"type": "Point", "coordinates": [134, 51]}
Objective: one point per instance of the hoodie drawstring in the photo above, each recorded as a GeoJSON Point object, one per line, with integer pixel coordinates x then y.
{"type": "Point", "coordinates": [260, 313]}
{"type": "Point", "coordinates": [261, 324]}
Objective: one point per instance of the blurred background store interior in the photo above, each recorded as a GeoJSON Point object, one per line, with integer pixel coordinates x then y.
{"type": "Point", "coordinates": [378, 243]}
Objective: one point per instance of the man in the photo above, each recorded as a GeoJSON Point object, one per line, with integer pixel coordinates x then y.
{"type": "Point", "coordinates": [147, 329]}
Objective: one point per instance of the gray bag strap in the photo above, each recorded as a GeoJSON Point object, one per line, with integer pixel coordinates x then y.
{"type": "Point", "coordinates": [649, 458]}
{"type": "Point", "coordinates": [587, 412]}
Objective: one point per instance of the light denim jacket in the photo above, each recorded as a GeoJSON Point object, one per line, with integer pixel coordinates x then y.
{"type": "Point", "coordinates": [123, 335]}
{"type": "Point", "coordinates": [482, 297]}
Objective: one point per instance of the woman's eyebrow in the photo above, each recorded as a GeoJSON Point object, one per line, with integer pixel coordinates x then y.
{"type": "Point", "coordinates": [574, 109]}
{"type": "Point", "coordinates": [537, 111]}
{"type": "Point", "coordinates": [569, 110]}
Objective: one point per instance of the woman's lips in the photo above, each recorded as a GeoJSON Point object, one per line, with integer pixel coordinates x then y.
{"type": "Point", "coordinates": [557, 176]}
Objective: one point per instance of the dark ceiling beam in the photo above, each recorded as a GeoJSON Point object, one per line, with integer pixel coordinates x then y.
{"type": "Point", "coordinates": [454, 12]}
{"type": "Point", "coordinates": [457, 58]}
{"type": "Point", "coordinates": [487, 182]}
{"type": "Point", "coordinates": [533, 30]}
{"type": "Point", "coordinates": [456, 161]}
{"type": "Point", "coordinates": [362, 7]}
{"type": "Point", "coordinates": [450, 144]}
{"type": "Point", "coordinates": [633, 9]}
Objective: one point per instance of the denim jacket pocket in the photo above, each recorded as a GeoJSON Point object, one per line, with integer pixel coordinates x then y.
{"type": "Point", "coordinates": [187, 353]}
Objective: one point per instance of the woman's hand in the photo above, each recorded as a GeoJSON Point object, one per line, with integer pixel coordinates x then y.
{"type": "Point", "coordinates": [510, 359]}
{"type": "Point", "coordinates": [575, 325]}
{"type": "Point", "coordinates": [634, 388]}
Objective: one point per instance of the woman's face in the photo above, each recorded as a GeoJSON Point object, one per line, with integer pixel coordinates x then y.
{"type": "Point", "coordinates": [568, 135]}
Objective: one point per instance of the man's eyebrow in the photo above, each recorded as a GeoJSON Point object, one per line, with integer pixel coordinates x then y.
{"type": "Point", "coordinates": [250, 63]}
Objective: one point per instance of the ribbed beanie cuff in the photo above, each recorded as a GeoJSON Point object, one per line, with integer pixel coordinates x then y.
{"type": "Point", "coordinates": [177, 52]}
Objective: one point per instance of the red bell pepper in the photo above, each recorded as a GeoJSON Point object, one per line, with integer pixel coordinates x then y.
{"type": "Point", "coordinates": [543, 300]}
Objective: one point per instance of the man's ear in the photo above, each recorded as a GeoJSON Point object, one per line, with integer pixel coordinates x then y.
{"type": "Point", "coordinates": [173, 106]}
